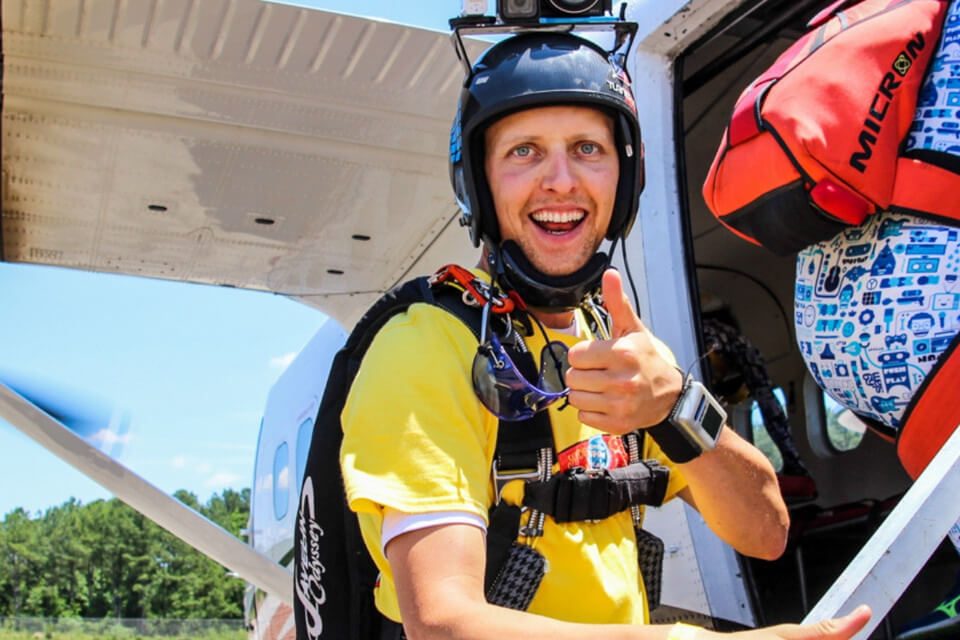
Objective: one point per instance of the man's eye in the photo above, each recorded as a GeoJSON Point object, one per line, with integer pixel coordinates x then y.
{"type": "Point", "coordinates": [522, 151]}
{"type": "Point", "coordinates": [589, 148]}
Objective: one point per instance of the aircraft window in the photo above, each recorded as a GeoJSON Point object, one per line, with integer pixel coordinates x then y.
{"type": "Point", "coordinates": [831, 427]}
{"type": "Point", "coordinates": [844, 429]}
{"type": "Point", "coordinates": [281, 481]}
{"type": "Point", "coordinates": [761, 439]}
{"type": "Point", "coordinates": [304, 431]}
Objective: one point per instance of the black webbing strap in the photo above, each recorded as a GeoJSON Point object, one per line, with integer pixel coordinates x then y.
{"type": "Point", "coordinates": [517, 442]}
{"type": "Point", "coordinates": [518, 445]}
{"type": "Point", "coordinates": [501, 534]}
{"type": "Point", "coordinates": [595, 494]}
{"type": "Point", "coordinates": [512, 437]}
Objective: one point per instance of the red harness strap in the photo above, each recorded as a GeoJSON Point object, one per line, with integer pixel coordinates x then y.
{"type": "Point", "coordinates": [479, 291]}
{"type": "Point", "coordinates": [933, 415]}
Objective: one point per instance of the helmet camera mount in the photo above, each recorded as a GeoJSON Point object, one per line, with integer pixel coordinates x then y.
{"type": "Point", "coordinates": [559, 16]}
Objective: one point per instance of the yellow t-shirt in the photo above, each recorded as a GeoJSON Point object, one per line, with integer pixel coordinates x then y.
{"type": "Point", "coordinates": [416, 439]}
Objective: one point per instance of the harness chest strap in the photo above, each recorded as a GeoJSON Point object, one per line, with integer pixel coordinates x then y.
{"type": "Point", "coordinates": [575, 495]}
{"type": "Point", "coordinates": [595, 494]}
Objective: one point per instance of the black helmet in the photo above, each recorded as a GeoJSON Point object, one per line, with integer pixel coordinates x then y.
{"type": "Point", "coordinates": [534, 70]}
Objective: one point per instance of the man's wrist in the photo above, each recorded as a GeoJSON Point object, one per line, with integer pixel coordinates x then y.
{"type": "Point", "coordinates": [693, 424]}
{"type": "Point", "coordinates": [680, 390]}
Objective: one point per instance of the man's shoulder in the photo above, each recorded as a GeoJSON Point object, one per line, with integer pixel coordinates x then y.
{"type": "Point", "coordinates": [424, 332]}
{"type": "Point", "coordinates": [418, 309]}
{"type": "Point", "coordinates": [419, 350]}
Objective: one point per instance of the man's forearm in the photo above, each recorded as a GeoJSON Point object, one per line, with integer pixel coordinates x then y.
{"type": "Point", "coordinates": [480, 620]}
{"type": "Point", "coordinates": [735, 489]}
{"type": "Point", "coordinates": [439, 579]}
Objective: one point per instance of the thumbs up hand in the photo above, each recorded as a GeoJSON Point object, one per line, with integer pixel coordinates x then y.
{"type": "Point", "coordinates": [623, 383]}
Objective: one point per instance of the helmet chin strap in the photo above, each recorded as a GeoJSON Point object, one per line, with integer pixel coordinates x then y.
{"type": "Point", "coordinates": [515, 272]}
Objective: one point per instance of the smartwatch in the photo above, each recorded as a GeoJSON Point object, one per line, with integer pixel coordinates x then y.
{"type": "Point", "coordinates": [693, 424]}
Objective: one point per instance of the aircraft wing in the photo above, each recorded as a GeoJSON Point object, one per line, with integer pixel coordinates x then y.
{"type": "Point", "coordinates": [229, 142]}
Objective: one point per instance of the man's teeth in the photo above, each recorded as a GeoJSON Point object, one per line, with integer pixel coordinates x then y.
{"type": "Point", "coordinates": [558, 216]}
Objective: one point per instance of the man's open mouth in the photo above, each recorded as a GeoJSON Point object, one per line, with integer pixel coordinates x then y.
{"type": "Point", "coordinates": [558, 222]}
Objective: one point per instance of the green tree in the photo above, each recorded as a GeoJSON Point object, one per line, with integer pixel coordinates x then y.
{"type": "Point", "coordinates": [62, 589]}
{"type": "Point", "coordinates": [104, 560]}
{"type": "Point", "coordinates": [21, 559]}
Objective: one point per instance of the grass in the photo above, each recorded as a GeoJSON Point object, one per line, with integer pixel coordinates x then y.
{"type": "Point", "coordinates": [110, 630]}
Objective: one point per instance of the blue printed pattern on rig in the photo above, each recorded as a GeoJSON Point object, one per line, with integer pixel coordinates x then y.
{"type": "Point", "coordinates": [874, 308]}
{"type": "Point", "coordinates": [937, 123]}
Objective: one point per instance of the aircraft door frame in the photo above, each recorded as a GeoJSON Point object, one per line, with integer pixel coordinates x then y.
{"type": "Point", "coordinates": [660, 262]}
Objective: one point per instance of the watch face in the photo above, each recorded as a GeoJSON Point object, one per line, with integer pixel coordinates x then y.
{"type": "Point", "coordinates": [712, 421]}
{"type": "Point", "coordinates": [698, 416]}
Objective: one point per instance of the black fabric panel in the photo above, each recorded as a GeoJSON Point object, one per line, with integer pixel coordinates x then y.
{"type": "Point", "coordinates": [784, 221]}
{"type": "Point", "coordinates": [942, 159]}
{"type": "Point", "coordinates": [518, 442]}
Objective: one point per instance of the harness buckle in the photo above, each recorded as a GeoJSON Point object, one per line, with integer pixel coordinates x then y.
{"type": "Point", "coordinates": [535, 520]}
{"type": "Point", "coordinates": [501, 478]}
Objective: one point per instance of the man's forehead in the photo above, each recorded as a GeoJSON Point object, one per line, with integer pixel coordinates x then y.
{"type": "Point", "coordinates": [545, 119]}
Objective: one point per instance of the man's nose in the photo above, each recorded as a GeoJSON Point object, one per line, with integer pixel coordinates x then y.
{"type": "Point", "coordinates": [559, 174]}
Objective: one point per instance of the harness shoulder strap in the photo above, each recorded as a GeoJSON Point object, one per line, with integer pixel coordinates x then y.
{"type": "Point", "coordinates": [328, 546]}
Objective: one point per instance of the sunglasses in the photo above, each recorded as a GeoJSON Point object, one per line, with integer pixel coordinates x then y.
{"type": "Point", "coordinates": [500, 382]}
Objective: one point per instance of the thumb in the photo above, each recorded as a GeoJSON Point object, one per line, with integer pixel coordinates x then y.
{"type": "Point", "coordinates": [847, 626]}
{"type": "Point", "coordinates": [623, 318]}
{"type": "Point", "coordinates": [832, 629]}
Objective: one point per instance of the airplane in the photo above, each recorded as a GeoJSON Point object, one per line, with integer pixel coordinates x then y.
{"type": "Point", "coordinates": [279, 148]}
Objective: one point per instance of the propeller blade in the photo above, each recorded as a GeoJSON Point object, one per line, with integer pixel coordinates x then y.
{"type": "Point", "coordinates": [101, 422]}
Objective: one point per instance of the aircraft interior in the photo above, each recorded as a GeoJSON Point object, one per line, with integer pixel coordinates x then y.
{"type": "Point", "coordinates": [855, 478]}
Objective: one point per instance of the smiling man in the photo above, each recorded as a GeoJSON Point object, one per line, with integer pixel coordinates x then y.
{"type": "Point", "coordinates": [479, 527]}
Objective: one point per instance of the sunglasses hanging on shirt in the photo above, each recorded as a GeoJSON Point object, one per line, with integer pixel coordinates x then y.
{"type": "Point", "coordinates": [503, 383]}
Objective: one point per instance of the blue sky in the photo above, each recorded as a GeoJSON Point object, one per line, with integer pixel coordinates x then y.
{"type": "Point", "coordinates": [192, 364]}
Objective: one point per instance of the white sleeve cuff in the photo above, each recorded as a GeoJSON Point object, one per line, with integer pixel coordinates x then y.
{"type": "Point", "coordinates": [396, 522]}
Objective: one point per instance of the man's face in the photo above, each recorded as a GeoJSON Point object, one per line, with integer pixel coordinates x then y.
{"type": "Point", "coordinates": [553, 176]}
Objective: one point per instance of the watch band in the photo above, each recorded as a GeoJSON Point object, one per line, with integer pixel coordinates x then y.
{"type": "Point", "coordinates": [672, 442]}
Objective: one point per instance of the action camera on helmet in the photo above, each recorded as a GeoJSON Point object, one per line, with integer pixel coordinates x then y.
{"type": "Point", "coordinates": [526, 10]}
{"type": "Point", "coordinates": [531, 13]}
